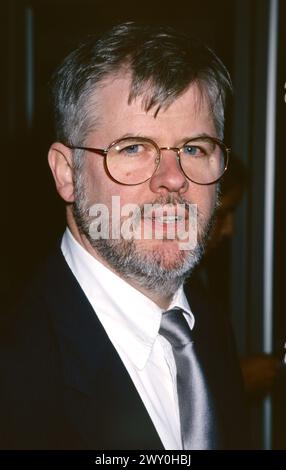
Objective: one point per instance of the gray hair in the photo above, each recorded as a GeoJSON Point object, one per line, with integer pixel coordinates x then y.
{"type": "Point", "coordinates": [163, 63]}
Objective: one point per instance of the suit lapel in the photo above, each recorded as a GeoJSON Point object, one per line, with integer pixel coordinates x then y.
{"type": "Point", "coordinates": [101, 400]}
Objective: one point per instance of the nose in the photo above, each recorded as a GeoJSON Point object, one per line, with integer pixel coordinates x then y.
{"type": "Point", "coordinates": [169, 176]}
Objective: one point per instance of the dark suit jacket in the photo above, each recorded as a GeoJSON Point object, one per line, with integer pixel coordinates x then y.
{"type": "Point", "coordinates": [63, 385]}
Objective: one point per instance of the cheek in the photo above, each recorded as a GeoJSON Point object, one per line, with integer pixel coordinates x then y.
{"type": "Point", "coordinates": [100, 188]}
{"type": "Point", "coordinates": [205, 198]}
{"type": "Point", "coordinates": [96, 181]}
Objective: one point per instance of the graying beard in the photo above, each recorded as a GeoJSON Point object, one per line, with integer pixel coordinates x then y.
{"type": "Point", "coordinates": [145, 268]}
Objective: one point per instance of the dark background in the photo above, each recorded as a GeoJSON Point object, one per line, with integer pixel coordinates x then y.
{"type": "Point", "coordinates": [32, 213]}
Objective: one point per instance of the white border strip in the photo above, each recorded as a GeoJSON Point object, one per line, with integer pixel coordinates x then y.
{"type": "Point", "coordinates": [269, 200]}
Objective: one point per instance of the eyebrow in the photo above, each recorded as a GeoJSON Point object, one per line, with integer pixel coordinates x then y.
{"type": "Point", "coordinates": [203, 135]}
{"type": "Point", "coordinates": [184, 139]}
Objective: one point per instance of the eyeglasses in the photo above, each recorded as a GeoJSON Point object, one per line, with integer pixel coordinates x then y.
{"type": "Point", "coordinates": [134, 160]}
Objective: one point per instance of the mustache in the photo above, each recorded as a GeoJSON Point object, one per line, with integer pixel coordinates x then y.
{"type": "Point", "coordinates": [170, 201]}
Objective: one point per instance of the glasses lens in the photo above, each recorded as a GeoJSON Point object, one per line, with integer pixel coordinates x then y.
{"type": "Point", "coordinates": [132, 160]}
{"type": "Point", "coordinates": [203, 160]}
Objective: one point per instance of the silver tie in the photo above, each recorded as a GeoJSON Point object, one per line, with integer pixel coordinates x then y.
{"type": "Point", "coordinates": [197, 415]}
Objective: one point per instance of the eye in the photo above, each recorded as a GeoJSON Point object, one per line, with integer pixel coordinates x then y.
{"type": "Point", "coordinates": [132, 149]}
{"type": "Point", "coordinates": [193, 150]}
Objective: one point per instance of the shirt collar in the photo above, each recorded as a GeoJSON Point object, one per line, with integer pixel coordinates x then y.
{"type": "Point", "coordinates": [130, 319]}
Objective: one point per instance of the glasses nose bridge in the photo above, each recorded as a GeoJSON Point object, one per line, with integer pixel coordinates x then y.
{"type": "Point", "coordinates": [177, 150]}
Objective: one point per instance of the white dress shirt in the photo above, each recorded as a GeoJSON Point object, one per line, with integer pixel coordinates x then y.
{"type": "Point", "coordinates": [132, 321]}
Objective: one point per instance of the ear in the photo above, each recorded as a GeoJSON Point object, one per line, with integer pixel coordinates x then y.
{"type": "Point", "coordinates": [60, 161]}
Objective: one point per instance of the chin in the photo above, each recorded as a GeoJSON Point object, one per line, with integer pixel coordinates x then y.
{"type": "Point", "coordinates": [166, 253]}
{"type": "Point", "coordinates": [165, 245]}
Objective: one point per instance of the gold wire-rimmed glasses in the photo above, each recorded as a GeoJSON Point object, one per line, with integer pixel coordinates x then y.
{"type": "Point", "coordinates": [134, 160]}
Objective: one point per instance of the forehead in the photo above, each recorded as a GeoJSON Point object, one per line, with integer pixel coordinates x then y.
{"type": "Point", "coordinates": [117, 116]}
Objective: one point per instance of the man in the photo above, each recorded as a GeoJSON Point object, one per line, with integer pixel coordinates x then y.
{"type": "Point", "coordinates": [88, 359]}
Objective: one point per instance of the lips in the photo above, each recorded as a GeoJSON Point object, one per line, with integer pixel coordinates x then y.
{"type": "Point", "coordinates": [168, 213]}
{"type": "Point", "coordinates": [171, 219]}
{"type": "Point", "coordinates": [167, 222]}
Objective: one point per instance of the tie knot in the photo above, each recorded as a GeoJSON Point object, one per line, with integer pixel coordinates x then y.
{"type": "Point", "coordinates": [174, 327]}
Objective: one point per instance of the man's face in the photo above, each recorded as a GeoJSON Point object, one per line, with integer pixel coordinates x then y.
{"type": "Point", "coordinates": [151, 261]}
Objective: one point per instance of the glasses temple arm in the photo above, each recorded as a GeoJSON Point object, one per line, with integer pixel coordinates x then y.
{"type": "Point", "coordinates": [101, 152]}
